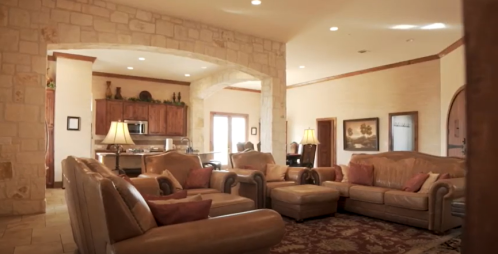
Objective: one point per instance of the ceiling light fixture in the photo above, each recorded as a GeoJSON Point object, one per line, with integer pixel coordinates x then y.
{"type": "Point", "coordinates": [141, 58]}
{"type": "Point", "coordinates": [403, 27]}
{"type": "Point", "coordinates": [255, 2]}
{"type": "Point", "coordinates": [334, 28]}
{"type": "Point", "coordinates": [410, 40]}
{"type": "Point", "coordinates": [130, 68]}
{"type": "Point", "coordinates": [187, 75]}
{"type": "Point", "coordinates": [434, 26]}
{"type": "Point", "coordinates": [302, 67]}
{"type": "Point", "coordinates": [204, 67]}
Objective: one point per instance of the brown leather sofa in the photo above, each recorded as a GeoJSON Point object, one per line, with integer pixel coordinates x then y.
{"type": "Point", "coordinates": [109, 216]}
{"type": "Point", "coordinates": [180, 164]}
{"type": "Point", "coordinates": [252, 182]}
{"type": "Point", "coordinates": [386, 200]}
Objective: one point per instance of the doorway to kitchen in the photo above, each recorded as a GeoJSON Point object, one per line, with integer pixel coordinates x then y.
{"type": "Point", "coordinates": [227, 129]}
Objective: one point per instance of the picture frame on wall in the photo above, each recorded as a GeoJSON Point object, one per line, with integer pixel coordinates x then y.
{"type": "Point", "coordinates": [254, 131]}
{"type": "Point", "coordinates": [403, 131]}
{"type": "Point", "coordinates": [361, 134]}
{"type": "Point", "coordinates": [73, 123]}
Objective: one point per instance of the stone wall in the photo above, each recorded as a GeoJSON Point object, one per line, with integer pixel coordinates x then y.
{"type": "Point", "coordinates": [28, 26]}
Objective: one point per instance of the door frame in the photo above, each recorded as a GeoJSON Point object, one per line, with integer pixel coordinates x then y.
{"type": "Point", "coordinates": [230, 115]}
{"type": "Point", "coordinates": [333, 144]}
{"type": "Point", "coordinates": [447, 136]}
{"type": "Point", "coordinates": [414, 114]}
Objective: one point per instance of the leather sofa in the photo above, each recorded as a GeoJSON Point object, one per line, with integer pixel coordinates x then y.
{"type": "Point", "coordinates": [386, 200]}
{"type": "Point", "coordinates": [253, 184]}
{"type": "Point", "coordinates": [109, 216]}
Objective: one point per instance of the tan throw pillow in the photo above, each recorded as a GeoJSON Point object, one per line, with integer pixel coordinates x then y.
{"type": "Point", "coordinates": [345, 173]}
{"type": "Point", "coordinates": [276, 173]}
{"type": "Point", "coordinates": [428, 183]}
{"type": "Point", "coordinates": [175, 182]}
{"type": "Point", "coordinates": [195, 198]}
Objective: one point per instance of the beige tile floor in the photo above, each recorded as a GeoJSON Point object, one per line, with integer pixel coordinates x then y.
{"type": "Point", "coordinates": [48, 233]}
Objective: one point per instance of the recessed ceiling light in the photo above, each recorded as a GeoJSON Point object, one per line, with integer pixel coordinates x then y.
{"type": "Point", "coordinates": [402, 27]}
{"type": "Point", "coordinates": [187, 75]}
{"type": "Point", "coordinates": [434, 26]}
{"type": "Point", "coordinates": [410, 40]}
{"type": "Point", "coordinates": [130, 68]}
{"type": "Point", "coordinates": [334, 28]}
{"type": "Point", "coordinates": [302, 67]}
{"type": "Point", "coordinates": [141, 58]}
{"type": "Point", "coordinates": [204, 67]}
{"type": "Point", "coordinates": [255, 2]}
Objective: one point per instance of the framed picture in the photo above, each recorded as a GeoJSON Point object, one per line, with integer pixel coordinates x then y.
{"type": "Point", "coordinates": [361, 134]}
{"type": "Point", "coordinates": [403, 131]}
{"type": "Point", "coordinates": [254, 131]}
{"type": "Point", "coordinates": [73, 123]}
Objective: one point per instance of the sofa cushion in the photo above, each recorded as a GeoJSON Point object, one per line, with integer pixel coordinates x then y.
{"type": "Point", "coordinates": [176, 195]}
{"type": "Point", "coordinates": [414, 184]}
{"type": "Point", "coordinates": [173, 180]}
{"type": "Point", "coordinates": [276, 173]}
{"type": "Point", "coordinates": [361, 174]}
{"type": "Point", "coordinates": [408, 200]}
{"type": "Point", "coordinates": [342, 188]}
{"type": "Point", "coordinates": [272, 185]}
{"type": "Point", "coordinates": [224, 203]}
{"type": "Point", "coordinates": [174, 211]}
{"type": "Point", "coordinates": [201, 191]}
{"type": "Point", "coordinates": [368, 193]}
{"type": "Point", "coordinates": [199, 178]}
{"type": "Point", "coordinates": [428, 183]}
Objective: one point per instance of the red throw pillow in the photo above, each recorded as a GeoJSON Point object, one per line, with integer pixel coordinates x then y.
{"type": "Point", "coordinates": [415, 183]}
{"type": "Point", "coordinates": [176, 195]}
{"type": "Point", "coordinates": [360, 174]}
{"type": "Point", "coordinates": [444, 176]}
{"type": "Point", "coordinates": [168, 214]}
{"type": "Point", "coordinates": [199, 178]}
{"type": "Point", "coordinates": [338, 173]}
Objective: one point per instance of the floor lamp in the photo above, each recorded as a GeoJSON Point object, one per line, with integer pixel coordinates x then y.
{"type": "Point", "coordinates": [309, 143]}
{"type": "Point", "coordinates": [118, 136]}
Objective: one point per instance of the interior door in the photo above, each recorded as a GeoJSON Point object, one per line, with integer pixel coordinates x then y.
{"type": "Point", "coordinates": [227, 130]}
{"type": "Point", "coordinates": [457, 126]}
{"type": "Point", "coordinates": [325, 130]}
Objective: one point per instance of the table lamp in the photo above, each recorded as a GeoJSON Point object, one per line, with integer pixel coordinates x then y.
{"type": "Point", "coordinates": [309, 143]}
{"type": "Point", "coordinates": [118, 136]}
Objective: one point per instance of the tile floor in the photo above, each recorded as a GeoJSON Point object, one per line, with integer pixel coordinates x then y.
{"type": "Point", "coordinates": [48, 233]}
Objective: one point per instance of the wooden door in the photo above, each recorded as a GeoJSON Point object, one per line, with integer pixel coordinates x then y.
{"type": "Point", "coordinates": [157, 119]}
{"type": "Point", "coordinates": [101, 126]}
{"type": "Point", "coordinates": [457, 126]}
{"type": "Point", "coordinates": [114, 112]}
{"type": "Point", "coordinates": [175, 120]}
{"type": "Point", "coordinates": [325, 135]}
{"type": "Point", "coordinates": [49, 136]}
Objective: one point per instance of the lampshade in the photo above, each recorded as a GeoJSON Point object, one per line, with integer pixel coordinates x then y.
{"type": "Point", "coordinates": [309, 138]}
{"type": "Point", "coordinates": [118, 134]}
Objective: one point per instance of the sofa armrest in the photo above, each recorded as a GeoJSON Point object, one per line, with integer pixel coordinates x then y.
{"type": "Point", "coordinates": [320, 175]}
{"type": "Point", "coordinates": [449, 188]}
{"type": "Point", "coordinates": [165, 184]}
{"type": "Point", "coordinates": [223, 180]}
{"type": "Point", "coordinates": [252, 185]}
{"type": "Point", "coordinates": [249, 176]}
{"type": "Point", "coordinates": [147, 186]}
{"type": "Point", "coordinates": [298, 174]}
{"type": "Point", "coordinates": [247, 232]}
{"type": "Point", "coordinates": [441, 194]}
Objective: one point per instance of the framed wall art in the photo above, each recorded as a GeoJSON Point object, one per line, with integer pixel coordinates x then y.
{"type": "Point", "coordinates": [73, 123]}
{"type": "Point", "coordinates": [361, 134]}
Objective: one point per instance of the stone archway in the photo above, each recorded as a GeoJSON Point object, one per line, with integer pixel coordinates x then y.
{"type": "Point", "coordinates": [28, 26]}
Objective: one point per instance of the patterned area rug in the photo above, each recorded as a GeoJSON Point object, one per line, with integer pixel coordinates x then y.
{"type": "Point", "coordinates": [348, 234]}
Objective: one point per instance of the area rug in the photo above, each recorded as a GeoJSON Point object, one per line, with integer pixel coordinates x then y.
{"type": "Point", "coordinates": [348, 233]}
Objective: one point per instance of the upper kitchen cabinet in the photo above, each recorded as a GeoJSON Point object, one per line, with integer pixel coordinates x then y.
{"type": "Point", "coordinates": [157, 119]}
{"type": "Point", "coordinates": [135, 111]}
{"type": "Point", "coordinates": [107, 111]}
{"type": "Point", "coordinates": [176, 118]}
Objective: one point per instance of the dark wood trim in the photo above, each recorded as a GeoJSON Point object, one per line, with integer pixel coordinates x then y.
{"type": "Point", "coordinates": [51, 58]}
{"type": "Point", "coordinates": [157, 80]}
{"type": "Point", "coordinates": [344, 140]}
{"type": "Point", "coordinates": [74, 57]}
{"type": "Point", "coordinates": [334, 137]}
{"type": "Point", "coordinates": [229, 115]}
{"type": "Point", "coordinates": [414, 114]}
{"type": "Point", "coordinates": [243, 89]}
{"type": "Point", "coordinates": [451, 47]}
{"type": "Point", "coordinates": [447, 136]}
{"type": "Point", "coordinates": [57, 185]}
{"type": "Point", "coordinates": [374, 69]}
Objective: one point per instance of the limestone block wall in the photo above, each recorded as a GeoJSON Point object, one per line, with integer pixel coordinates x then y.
{"type": "Point", "coordinates": [28, 26]}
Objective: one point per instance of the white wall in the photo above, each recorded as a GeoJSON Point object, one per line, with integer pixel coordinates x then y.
{"type": "Point", "coordinates": [232, 101]}
{"type": "Point", "coordinates": [376, 94]}
{"type": "Point", "coordinates": [402, 133]}
{"type": "Point", "coordinates": [452, 78]}
{"type": "Point", "coordinates": [72, 98]}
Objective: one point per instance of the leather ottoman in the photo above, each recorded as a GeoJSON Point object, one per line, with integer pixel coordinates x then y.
{"type": "Point", "coordinates": [304, 201]}
{"type": "Point", "coordinates": [224, 203]}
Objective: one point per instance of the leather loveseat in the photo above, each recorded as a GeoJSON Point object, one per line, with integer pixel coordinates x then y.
{"type": "Point", "coordinates": [386, 200]}
{"type": "Point", "coordinates": [109, 216]}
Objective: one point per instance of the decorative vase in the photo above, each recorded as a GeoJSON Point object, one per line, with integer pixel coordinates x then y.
{"type": "Point", "coordinates": [108, 92]}
{"type": "Point", "coordinates": [174, 97]}
{"type": "Point", "coordinates": [118, 94]}
{"type": "Point", "coordinates": [179, 96]}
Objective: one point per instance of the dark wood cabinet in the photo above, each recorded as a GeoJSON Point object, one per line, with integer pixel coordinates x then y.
{"type": "Point", "coordinates": [135, 111]}
{"type": "Point", "coordinates": [176, 121]}
{"type": "Point", "coordinates": [106, 112]}
{"type": "Point", "coordinates": [157, 119]}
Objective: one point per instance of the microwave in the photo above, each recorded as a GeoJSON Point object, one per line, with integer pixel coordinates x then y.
{"type": "Point", "coordinates": [137, 127]}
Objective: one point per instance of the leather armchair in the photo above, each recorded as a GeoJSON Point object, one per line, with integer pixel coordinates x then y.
{"type": "Point", "coordinates": [180, 165]}
{"type": "Point", "coordinates": [108, 215]}
{"type": "Point", "coordinates": [252, 181]}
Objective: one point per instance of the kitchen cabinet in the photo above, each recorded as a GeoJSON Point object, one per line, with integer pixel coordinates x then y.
{"type": "Point", "coordinates": [107, 111]}
{"type": "Point", "coordinates": [176, 120]}
{"type": "Point", "coordinates": [135, 111]}
{"type": "Point", "coordinates": [157, 119]}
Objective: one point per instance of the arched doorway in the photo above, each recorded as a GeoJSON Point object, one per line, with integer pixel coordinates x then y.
{"type": "Point", "coordinates": [457, 126]}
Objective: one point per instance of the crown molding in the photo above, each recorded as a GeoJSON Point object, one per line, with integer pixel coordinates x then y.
{"type": "Point", "coordinates": [120, 76]}
{"type": "Point", "coordinates": [243, 89]}
{"type": "Point", "coordinates": [73, 56]}
{"type": "Point", "coordinates": [452, 47]}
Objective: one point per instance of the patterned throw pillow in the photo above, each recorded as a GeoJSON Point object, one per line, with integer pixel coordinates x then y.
{"type": "Point", "coordinates": [199, 178]}
{"type": "Point", "coordinates": [415, 183]}
{"type": "Point", "coordinates": [276, 173]}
